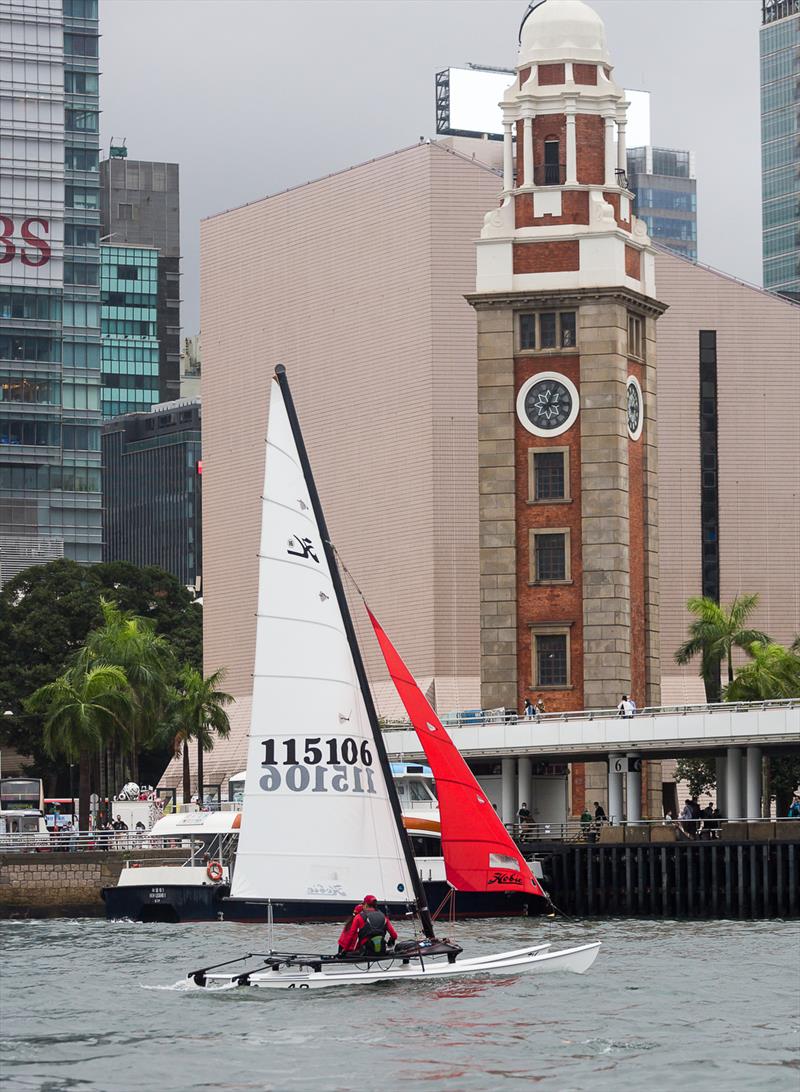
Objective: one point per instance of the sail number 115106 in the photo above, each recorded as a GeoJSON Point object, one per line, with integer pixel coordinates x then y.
{"type": "Point", "coordinates": [314, 764]}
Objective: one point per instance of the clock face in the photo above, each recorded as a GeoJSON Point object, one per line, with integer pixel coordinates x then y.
{"type": "Point", "coordinates": [547, 404]}
{"type": "Point", "coordinates": [634, 408]}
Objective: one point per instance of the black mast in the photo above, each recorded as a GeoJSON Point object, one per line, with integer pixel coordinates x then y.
{"type": "Point", "coordinates": [383, 758]}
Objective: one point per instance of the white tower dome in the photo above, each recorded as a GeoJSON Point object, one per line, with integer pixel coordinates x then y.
{"type": "Point", "coordinates": [563, 30]}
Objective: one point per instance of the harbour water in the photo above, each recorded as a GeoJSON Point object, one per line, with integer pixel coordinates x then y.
{"type": "Point", "coordinates": [91, 1005]}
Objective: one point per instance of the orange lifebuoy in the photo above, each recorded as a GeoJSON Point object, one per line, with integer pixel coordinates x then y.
{"type": "Point", "coordinates": [214, 871]}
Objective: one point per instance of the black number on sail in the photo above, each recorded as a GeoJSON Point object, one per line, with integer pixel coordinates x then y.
{"type": "Point", "coordinates": [291, 752]}
{"type": "Point", "coordinates": [349, 751]}
{"type": "Point", "coordinates": [366, 754]}
{"type": "Point", "coordinates": [269, 752]}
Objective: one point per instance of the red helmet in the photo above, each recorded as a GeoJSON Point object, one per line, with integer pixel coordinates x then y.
{"type": "Point", "coordinates": [369, 900]}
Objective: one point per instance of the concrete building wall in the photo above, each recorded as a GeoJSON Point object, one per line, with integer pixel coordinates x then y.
{"type": "Point", "coordinates": [356, 284]}
{"type": "Point", "coordinates": [758, 370]}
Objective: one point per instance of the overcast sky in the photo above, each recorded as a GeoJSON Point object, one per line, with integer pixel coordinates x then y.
{"type": "Point", "coordinates": [253, 96]}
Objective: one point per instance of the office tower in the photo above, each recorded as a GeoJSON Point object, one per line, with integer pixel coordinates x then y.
{"type": "Point", "coordinates": [129, 315]}
{"type": "Point", "coordinates": [49, 284]}
{"type": "Point", "coordinates": [665, 196]}
{"type": "Point", "coordinates": [140, 207]}
{"type": "Point", "coordinates": [780, 145]}
{"type": "Point", "coordinates": [152, 477]}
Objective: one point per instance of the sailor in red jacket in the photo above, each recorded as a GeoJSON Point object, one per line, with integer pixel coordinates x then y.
{"type": "Point", "coordinates": [367, 930]}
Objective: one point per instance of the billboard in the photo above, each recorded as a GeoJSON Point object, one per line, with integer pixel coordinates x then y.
{"type": "Point", "coordinates": [467, 101]}
{"type": "Point", "coordinates": [467, 104]}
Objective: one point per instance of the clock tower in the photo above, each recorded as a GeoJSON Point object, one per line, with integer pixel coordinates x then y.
{"type": "Point", "coordinates": [566, 308]}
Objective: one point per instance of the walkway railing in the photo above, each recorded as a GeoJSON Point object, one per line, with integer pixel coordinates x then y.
{"type": "Point", "coordinates": [684, 829]}
{"type": "Point", "coordinates": [474, 717]}
{"type": "Point", "coordinates": [90, 841]}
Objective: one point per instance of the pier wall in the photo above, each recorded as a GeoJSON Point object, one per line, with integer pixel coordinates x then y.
{"type": "Point", "coordinates": [730, 879]}
{"type": "Point", "coordinates": [55, 885]}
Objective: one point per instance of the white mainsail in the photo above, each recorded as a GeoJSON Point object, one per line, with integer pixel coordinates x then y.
{"type": "Point", "coordinates": [317, 822]}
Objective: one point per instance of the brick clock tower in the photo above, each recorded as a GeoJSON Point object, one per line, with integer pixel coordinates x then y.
{"type": "Point", "coordinates": [566, 307]}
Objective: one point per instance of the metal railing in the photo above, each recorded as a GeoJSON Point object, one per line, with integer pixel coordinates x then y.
{"type": "Point", "coordinates": [575, 830]}
{"type": "Point", "coordinates": [477, 717]}
{"type": "Point", "coordinates": [549, 174]}
{"type": "Point", "coordinates": [90, 841]}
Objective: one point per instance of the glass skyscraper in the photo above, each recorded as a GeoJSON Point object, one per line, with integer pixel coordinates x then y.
{"type": "Point", "coordinates": [780, 145]}
{"type": "Point", "coordinates": [50, 501]}
{"type": "Point", "coordinates": [663, 182]}
{"type": "Point", "coordinates": [129, 302]}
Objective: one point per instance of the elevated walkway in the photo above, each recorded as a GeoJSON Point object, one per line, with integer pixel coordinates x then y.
{"type": "Point", "coordinates": [587, 736]}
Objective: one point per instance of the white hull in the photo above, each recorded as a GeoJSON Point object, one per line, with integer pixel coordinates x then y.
{"type": "Point", "coordinates": [536, 958]}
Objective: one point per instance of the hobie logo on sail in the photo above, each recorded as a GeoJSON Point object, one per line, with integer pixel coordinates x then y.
{"type": "Point", "coordinates": [506, 877]}
{"type": "Point", "coordinates": [306, 548]}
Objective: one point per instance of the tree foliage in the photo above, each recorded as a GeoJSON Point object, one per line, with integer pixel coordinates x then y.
{"type": "Point", "coordinates": [81, 710]}
{"type": "Point", "coordinates": [198, 711]}
{"type": "Point", "coordinates": [46, 615]}
{"type": "Point", "coordinates": [699, 773]}
{"type": "Point", "coordinates": [772, 673]}
{"type": "Point", "coordinates": [713, 635]}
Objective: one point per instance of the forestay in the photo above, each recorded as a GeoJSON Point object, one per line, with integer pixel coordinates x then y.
{"type": "Point", "coordinates": [317, 820]}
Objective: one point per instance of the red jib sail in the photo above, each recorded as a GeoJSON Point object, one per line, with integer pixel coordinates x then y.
{"type": "Point", "coordinates": [479, 854]}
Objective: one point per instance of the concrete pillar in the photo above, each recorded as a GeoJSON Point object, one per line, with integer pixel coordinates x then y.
{"type": "Point", "coordinates": [622, 155]}
{"type": "Point", "coordinates": [572, 151]}
{"type": "Point", "coordinates": [633, 788]}
{"type": "Point", "coordinates": [733, 784]}
{"type": "Point", "coordinates": [527, 151]}
{"type": "Point", "coordinates": [722, 772]}
{"type": "Point", "coordinates": [508, 810]}
{"type": "Point", "coordinates": [611, 178]}
{"type": "Point", "coordinates": [524, 782]}
{"type": "Point", "coordinates": [753, 769]}
{"type": "Point", "coordinates": [508, 158]}
{"type": "Point", "coordinates": [616, 764]}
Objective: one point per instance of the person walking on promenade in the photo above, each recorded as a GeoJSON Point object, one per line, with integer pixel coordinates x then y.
{"type": "Point", "coordinates": [600, 816]}
{"type": "Point", "coordinates": [794, 808]}
{"type": "Point", "coordinates": [539, 705]}
{"type": "Point", "coordinates": [528, 709]}
{"type": "Point", "coordinates": [626, 708]}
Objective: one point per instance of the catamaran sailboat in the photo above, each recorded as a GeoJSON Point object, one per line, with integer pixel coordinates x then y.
{"type": "Point", "coordinates": [318, 772]}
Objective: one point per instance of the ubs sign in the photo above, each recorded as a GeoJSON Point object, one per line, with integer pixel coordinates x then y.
{"type": "Point", "coordinates": [27, 239]}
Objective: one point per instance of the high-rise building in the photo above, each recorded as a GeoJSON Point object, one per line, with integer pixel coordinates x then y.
{"type": "Point", "coordinates": [49, 284]}
{"type": "Point", "coordinates": [152, 477]}
{"type": "Point", "coordinates": [780, 145]}
{"type": "Point", "coordinates": [129, 315]}
{"type": "Point", "coordinates": [140, 206]}
{"type": "Point", "coordinates": [191, 366]}
{"type": "Point", "coordinates": [664, 186]}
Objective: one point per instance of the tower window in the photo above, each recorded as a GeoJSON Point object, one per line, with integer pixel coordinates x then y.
{"type": "Point", "coordinates": [548, 474]}
{"type": "Point", "coordinates": [635, 336]}
{"type": "Point", "coordinates": [550, 657]}
{"type": "Point", "coordinates": [550, 556]}
{"type": "Point", "coordinates": [542, 330]}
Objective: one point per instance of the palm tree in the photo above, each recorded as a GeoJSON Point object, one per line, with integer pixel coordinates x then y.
{"type": "Point", "coordinates": [81, 709]}
{"type": "Point", "coordinates": [127, 641]}
{"type": "Point", "coordinates": [198, 710]}
{"type": "Point", "coordinates": [714, 634]}
{"type": "Point", "coordinates": [774, 673]}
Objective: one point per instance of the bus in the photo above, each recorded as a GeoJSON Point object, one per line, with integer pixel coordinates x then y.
{"type": "Point", "coordinates": [58, 811]}
{"type": "Point", "coordinates": [21, 794]}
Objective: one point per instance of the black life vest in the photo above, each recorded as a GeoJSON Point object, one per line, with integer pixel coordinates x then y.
{"type": "Point", "coordinates": [374, 924]}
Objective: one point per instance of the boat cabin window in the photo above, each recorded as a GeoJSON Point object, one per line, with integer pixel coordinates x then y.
{"type": "Point", "coordinates": [418, 791]}
{"type": "Point", "coordinates": [425, 846]}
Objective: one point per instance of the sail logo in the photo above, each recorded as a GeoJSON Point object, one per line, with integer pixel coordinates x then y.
{"type": "Point", "coordinates": [506, 878]}
{"type": "Point", "coordinates": [306, 548]}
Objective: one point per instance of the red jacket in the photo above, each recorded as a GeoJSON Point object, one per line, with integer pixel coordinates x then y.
{"type": "Point", "coordinates": [349, 940]}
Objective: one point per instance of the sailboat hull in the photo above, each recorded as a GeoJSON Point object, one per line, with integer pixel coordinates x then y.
{"type": "Point", "coordinates": [539, 958]}
{"type": "Point", "coordinates": [211, 902]}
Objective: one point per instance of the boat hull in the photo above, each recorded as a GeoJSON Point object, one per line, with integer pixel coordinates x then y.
{"type": "Point", "coordinates": [540, 958]}
{"type": "Point", "coordinates": [211, 902]}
